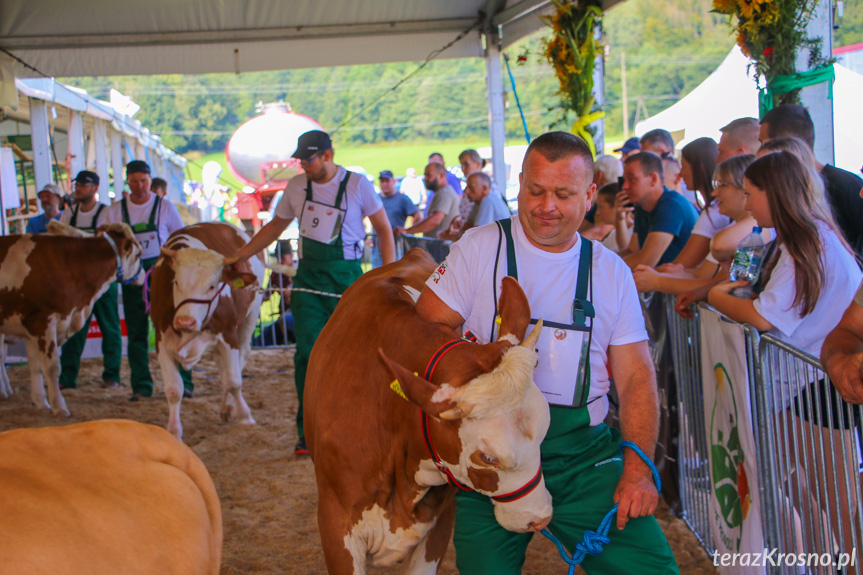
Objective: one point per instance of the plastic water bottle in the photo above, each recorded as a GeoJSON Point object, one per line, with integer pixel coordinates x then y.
{"type": "Point", "coordinates": [747, 262]}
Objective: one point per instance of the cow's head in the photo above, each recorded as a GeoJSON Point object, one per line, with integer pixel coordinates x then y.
{"type": "Point", "coordinates": [127, 249]}
{"type": "Point", "coordinates": [496, 419]}
{"type": "Point", "coordinates": [200, 279]}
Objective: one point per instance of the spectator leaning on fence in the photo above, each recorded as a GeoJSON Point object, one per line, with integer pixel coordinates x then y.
{"type": "Point", "coordinates": [442, 209]}
{"type": "Point", "coordinates": [697, 165]}
{"type": "Point", "coordinates": [731, 202]}
{"type": "Point", "coordinates": [663, 219]}
{"type": "Point", "coordinates": [809, 278]}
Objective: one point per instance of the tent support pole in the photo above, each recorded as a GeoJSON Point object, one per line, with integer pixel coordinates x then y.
{"type": "Point", "coordinates": [814, 98]}
{"type": "Point", "coordinates": [496, 119]}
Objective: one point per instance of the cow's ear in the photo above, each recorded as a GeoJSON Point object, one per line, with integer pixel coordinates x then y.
{"type": "Point", "coordinates": [238, 278]}
{"type": "Point", "coordinates": [513, 308]}
{"type": "Point", "coordinates": [433, 399]}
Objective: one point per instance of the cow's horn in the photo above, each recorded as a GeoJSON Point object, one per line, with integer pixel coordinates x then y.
{"type": "Point", "coordinates": [167, 252]}
{"type": "Point", "coordinates": [530, 341]}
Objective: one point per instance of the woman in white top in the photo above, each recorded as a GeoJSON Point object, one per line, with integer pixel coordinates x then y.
{"type": "Point", "coordinates": [730, 201]}
{"type": "Point", "coordinates": [698, 162]}
{"type": "Point", "coordinates": [808, 281]}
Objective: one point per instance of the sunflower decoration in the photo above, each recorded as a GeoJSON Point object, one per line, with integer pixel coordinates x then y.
{"type": "Point", "coordinates": [571, 49]}
{"type": "Point", "coordinates": [770, 33]}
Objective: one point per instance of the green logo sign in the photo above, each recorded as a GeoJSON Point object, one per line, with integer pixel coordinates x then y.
{"type": "Point", "coordinates": [730, 485]}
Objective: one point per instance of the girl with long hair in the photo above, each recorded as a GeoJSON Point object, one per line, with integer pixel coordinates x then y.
{"type": "Point", "coordinates": [809, 278]}
{"type": "Point", "coordinates": [697, 164]}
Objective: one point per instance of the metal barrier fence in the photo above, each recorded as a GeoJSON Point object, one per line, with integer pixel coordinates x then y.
{"type": "Point", "coordinates": [808, 447]}
{"type": "Point", "coordinates": [693, 462]}
{"type": "Point", "coordinates": [806, 444]}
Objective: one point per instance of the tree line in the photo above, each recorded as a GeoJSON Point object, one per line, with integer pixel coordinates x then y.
{"type": "Point", "coordinates": [669, 47]}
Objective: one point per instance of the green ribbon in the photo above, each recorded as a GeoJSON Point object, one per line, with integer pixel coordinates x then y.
{"type": "Point", "coordinates": [579, 128]}
{"type": "Point", "coordinates": [783, 84]}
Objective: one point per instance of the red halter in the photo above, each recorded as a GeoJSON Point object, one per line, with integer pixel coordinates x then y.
{"type": "Point", "coordinates": [439, 463]}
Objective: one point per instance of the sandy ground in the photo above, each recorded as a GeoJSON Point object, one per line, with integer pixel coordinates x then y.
{"type": "Point", "coordinates": [268, 496]}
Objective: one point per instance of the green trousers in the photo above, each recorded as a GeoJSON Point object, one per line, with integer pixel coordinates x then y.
{"type": "Point", "coordinates": [138, 349]}
{"type": "Point", "coordinates": [312, 311]}
{"type": "Point", "coordinates": [108, 317]}
{"type": "Point", "coordinates": [582, 484]}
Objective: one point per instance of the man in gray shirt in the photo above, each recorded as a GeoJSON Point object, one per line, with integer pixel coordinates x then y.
{"type": "Point", "coordinates": [443, 207]}
{"type": "Point", "coordinates": [487, 207]}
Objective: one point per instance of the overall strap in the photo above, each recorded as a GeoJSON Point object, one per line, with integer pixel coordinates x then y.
{"type": "Point", "coordinates": [581, 306]}
{"type": "Point", "coordinates": [343, 186]}
{"type": "Point", "coordinates": [95, 221]}
{"type": "Point", "coordinates": [155, 211]}
{"type": "Point", "coordinates": [511, 268]}
{"type": "Point", "coordinates": [73, 221]}
{"type": "Point", "coordinates": [125, 210]}
{"type": "Point", "coordinates": [342, 189]}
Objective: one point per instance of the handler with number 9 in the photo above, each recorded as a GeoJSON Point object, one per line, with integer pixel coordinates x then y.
{"type": "Point", "coordinates": [152, 219]}
{"type": "Point", "coordinates": [331, 243]}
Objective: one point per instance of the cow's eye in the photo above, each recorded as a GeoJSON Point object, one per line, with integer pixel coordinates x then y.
{"type": "Point", "coordinates": [212, 287]}
{"type": "Point", "coordinates": [488, 459]}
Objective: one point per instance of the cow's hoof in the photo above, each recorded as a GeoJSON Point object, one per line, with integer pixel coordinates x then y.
{"type": "Point", "coordinates": [247, 421]}
{"type": "Point", "coordinates": [61, 412]}
{"type": "Point", "coordinates": [6, 394]}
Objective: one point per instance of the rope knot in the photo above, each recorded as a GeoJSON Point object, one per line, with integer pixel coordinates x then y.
{"type": "Point", "coordinates": [592, 543]}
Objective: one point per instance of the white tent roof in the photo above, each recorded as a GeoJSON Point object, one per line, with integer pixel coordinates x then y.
{"type": "Point", "coordinates": [729, 93]}
{"type": "Point", "coordinates": [116, 37]}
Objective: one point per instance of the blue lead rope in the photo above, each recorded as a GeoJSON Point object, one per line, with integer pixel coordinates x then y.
{"type": "Point", "coordinates": [594, 540]}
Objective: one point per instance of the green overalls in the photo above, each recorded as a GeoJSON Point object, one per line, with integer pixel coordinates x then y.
{"type": "Point", "coordinates": [581, 465]}
{"type": "Point", "coordinates": [107, 316]}
{"type": "Point", "coordinates": [135, 310]}
{"type": "Point", "coordinates": [322, 267]}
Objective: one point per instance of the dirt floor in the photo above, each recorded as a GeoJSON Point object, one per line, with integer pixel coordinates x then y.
{"type": "Point", "coordinates": [268, 496]}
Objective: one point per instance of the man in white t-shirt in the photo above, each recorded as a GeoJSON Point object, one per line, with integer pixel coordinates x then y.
{"type": "Point", "coordinates": [842, 353]}
{"type": "Point", "coordinates": [330, 203]}
{"type": "Point", "coordinates": [87, 214]}
{"type": "Point", "coordinates": [601, 326]}
{"type": "Point", "coordinates": [153, 220]}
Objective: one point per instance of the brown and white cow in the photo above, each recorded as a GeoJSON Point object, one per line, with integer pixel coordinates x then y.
{"type": "Point", "coordinates": [48, 286]}
{"type": "Point", "coordinates": [198, 302]}
{"type": "Point", "coordinates": [106, 497]}
{"type": "Point", "coordinates": [382, 498]}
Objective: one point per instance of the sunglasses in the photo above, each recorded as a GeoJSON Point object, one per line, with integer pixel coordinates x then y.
{"type": "Point", "coordinates": [311, 158]}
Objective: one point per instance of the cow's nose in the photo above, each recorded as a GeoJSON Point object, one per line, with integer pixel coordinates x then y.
{"type": "Point", "coordinates": [185, 323]}
{"type": "Point", "coordinates": [539, 524]}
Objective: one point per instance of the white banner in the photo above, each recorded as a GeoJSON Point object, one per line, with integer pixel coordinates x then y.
{"type": "Point", "coordinates": [735, 518]}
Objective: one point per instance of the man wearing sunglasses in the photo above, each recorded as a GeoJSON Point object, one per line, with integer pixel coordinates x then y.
{"type": "Point", "coordinates": [330, 204]}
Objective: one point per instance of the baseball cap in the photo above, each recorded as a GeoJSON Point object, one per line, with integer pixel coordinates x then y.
{"type": "Point", "coordinates": [53, 188]}
{"type": "Point", "coordinates": [386, 174]}
{"type": "Point", "coordinates": [630, 145]}
{"type": "Point", "coordinates": [311, 143]}
{"type": "Point", "coordinates": [136, 166]}
{"type": "Point", "coordinates": [87, 177]}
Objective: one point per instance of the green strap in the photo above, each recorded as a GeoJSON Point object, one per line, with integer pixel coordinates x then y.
{"type": "Point", "coordinates": [73, 221]}
{"type": "Point", "coordinates": [155, 211]}
{"type": "Point", "coordinates": [343, 186]}
{"type": "Point", "coordinates": [782, 84]}
{"type": "Point", "coordinates": [581, 306]}
{"type": "Point", "coordinates": [511, 268]}
{"type": "Point", "coordinates": [125, 211]}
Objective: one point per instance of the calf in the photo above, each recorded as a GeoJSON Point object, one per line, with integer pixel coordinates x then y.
{"type": "Point", "coordinates": [384, 451]}
{"type": "Point", "coordinates": [106, 497]}
{"type": "Point", "coordinates": [198, 302]}
{"type": "Point", "coordinates": [48, 286]}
